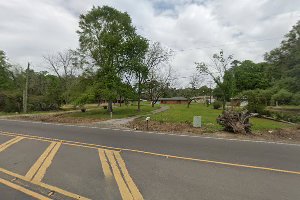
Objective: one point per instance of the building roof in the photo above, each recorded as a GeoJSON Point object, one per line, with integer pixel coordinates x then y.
{"type": "Point", "coordinates": [173, 99]}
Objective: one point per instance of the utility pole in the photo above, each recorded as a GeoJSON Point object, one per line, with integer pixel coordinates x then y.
{"type": "Point", "coordinates": [25, 92]}
{"type": "Point", "coordinates": [210, 92]}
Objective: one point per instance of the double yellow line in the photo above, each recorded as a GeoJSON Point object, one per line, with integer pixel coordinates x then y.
{"type": "Point", "coordinates": [114, 166]}
{"type": "Point", "coordinates": [38, 170]}
{"type": "Point", "coordinates": [96, 146]}
{"type": "Point", "coordinates": [8, 143]}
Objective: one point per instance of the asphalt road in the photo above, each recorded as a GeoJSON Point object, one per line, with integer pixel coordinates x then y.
{"type": "Point", "coordinates": [133, 165]}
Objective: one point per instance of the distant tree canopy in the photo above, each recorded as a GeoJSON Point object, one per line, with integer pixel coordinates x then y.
{"type": "Point", "coordinates": [6, 77]}
{"type": "Point", "coordinates": [277, 80]}
{"type": "Point", "coordinates": [249, 76]}
{"type": "Point", "coordinates": [285, 61]}
{"type": "Point", "coordinates": [115, 63]}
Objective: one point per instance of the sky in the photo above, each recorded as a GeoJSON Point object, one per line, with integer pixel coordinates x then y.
{"type": "Point", "coordinates": [194, 29]}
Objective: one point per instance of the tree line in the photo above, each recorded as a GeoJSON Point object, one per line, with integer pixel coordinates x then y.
{"type": "Point", "coordinates": [115, 63]}
{"type": "Point", "coordinates": [275, 81]}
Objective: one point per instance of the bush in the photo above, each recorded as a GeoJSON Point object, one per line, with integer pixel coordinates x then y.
{"type": "Point", "coordinates": [10, 102]}
{"type": "Point", "coordinates": [256, 101]}
{"type": "Point", "coordinates": [217, 104]}
{"type": "Point", "coordinates": [290, 117]}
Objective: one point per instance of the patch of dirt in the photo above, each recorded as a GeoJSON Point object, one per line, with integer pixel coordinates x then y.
{"type": "Point", "coordinates": [139, 124]}
{"type": "Point", "coordinates": [290, 134]}
{"type": "Point", "coordinates": [56, 118]}
{"type": "Point", "coordinates": [281, 135]}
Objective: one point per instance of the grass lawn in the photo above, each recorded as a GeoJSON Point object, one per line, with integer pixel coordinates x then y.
{"type": "Point", "coordinates": [119, 112]}
{"type": "Point", "coordinates": [266, 124]}
{"type": "Point", "coordinates": [182, 114]}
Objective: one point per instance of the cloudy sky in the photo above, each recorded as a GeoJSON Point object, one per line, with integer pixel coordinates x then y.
{"type": "Point", "coordinates": [194, 29]}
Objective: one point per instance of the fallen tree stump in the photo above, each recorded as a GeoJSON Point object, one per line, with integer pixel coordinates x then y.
{"type": "Point", "coordinates": [236, 122]}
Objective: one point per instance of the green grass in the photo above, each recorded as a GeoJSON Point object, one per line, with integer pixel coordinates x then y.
{"type": "Point", "coordinates": [182, 114]}
{"type": "Point", "coordinates": [260, 124]}
{"type": "Point", "coordinates": [4, 113]}
{"type": "Point", "coordinates": [119, 112]}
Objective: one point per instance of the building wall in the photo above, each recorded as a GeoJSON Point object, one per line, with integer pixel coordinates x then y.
{"type": "Point", "coordinates": [173, 102]}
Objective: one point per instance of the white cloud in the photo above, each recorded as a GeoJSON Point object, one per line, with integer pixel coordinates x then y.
{"type": "Point", "coordinates": [30, 29]}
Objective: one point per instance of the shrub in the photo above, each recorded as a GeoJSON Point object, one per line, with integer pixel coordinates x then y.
{"type": "Point", "coordinates": [256, 101]}
{"type": "Point", "coordinates": [217, 104]}
{"type": "Point", "coordinates": [10, 102]}
{"type": "Point", "coordinates": [290, 117]}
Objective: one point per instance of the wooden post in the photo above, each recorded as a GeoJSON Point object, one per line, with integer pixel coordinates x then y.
{"type": "Point", "coordinates": [25, 92]}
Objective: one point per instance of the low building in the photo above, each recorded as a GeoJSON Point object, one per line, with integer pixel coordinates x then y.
{"type": "Point", "coordinates": [239, 102]}
{"type": "Point", "coordinates": [173, 100]}
{"type": "Point", "coordinates": [203, 99]}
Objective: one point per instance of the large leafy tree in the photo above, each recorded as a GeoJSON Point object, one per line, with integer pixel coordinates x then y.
{"type": "Point", "coordinates": [249, 76]}
{"type": "Point", "coordinates": [108, 37]}
{"type": "Point", "coordinates": [6, 79]}
{"type": "Point", "coordinates": [285, 61]}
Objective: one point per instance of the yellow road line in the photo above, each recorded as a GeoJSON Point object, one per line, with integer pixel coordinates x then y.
{"type": "Point", "coordinates": [8, 143]}
{"type": "Point", "coordinates": [124, 190]}
{"type": "Point", "coordinates": [44, 185]}
{"type": "Point", "coordinates": [105, 166]}
{"type": "Point", "coordinates": [42, 171]}
{"type": "Point", "coordinates": [131, 185]}
{"type": "Point", "coordinates": [24, 190]}
{"type": "Point", "coordinates": [96, 146]}
{"type": "Point", "coordinates": [35, 167]}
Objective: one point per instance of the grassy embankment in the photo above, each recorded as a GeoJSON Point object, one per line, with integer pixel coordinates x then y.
{"type": "Point", "coordinates": [182, 114]}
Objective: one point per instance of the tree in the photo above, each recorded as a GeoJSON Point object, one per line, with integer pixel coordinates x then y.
{"type": "Point", "coordinates": [285, 61]}
{"type": "Point", "coordinates": [249, 76]}
{"type": "Point", "coordinates": [190, 93]}
{"type": "Point", "coordinates": [217, 70]}
{"type": "Point", "coordinates": [282, 97]}
{"type": "Point", "coordinates": [6, 79]}
{"type": "Point", "coordinates": [158, 84]}
{"type": "Point", "coordinates": [137, 51]}
{"type": "Point", "coordinates": [108, 37]}
{"type": "Point", "coordinates": [65, 65]}
{"type": "Point", "coordinates": [160, 74]}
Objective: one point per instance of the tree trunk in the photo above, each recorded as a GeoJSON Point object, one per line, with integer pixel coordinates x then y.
{"type": "Point", "coordinates": [110, 106]}
{"type": "Point", "coordinates": [224, 101]}
{"type": "Point", "coordinates": [189, 103]}
{"type": "Point", "coordinates": [139, 95]}
{"type": "Point", "coordinates": [139, 105]}
{"type": "Point", "coordinates": [139, 101]}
